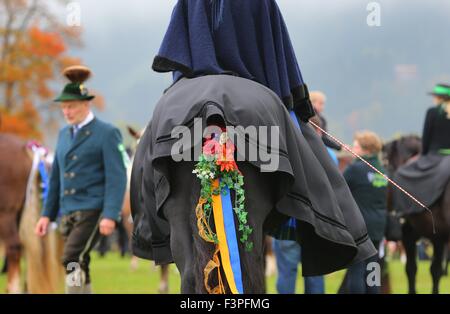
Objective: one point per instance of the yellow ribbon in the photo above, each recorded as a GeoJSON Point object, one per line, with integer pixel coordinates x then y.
{"type": "Point", "coordinates": [223, 245]}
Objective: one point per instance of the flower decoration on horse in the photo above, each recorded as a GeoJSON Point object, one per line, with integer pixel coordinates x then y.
{"type": "Point", "coordinates": [219, 175]}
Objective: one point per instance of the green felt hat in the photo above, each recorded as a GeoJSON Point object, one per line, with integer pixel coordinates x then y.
{"type": "Point", "coordinates": [441, 90]}
{"type": "Point", "coordinates": [75, 90]}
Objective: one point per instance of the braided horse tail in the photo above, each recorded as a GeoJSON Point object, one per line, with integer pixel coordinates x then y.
{"type": "Point", "coordinates": [210, 260]}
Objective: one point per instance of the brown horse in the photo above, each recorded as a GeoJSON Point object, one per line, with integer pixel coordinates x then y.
{"type": "Point", "coordinates": [19, 212]}
{"type": "Point", "coordinates": [398, 152]}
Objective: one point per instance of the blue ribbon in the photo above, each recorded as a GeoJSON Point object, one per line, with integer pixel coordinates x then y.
{"type": "Point", "coordinates": [230, 231]}
{"type": "Point", "coordinates": [44, 180]}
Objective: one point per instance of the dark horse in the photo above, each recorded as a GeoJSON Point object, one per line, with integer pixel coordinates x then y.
{"type": "Point", "coordinates": [397, 153]}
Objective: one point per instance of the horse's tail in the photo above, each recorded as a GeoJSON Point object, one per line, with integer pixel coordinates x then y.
{"type": "Point", "coordinates": [209, 266]}
{"type": "Point", "coordinates": [44, 272]}
{"type": "Point", "coordinates": [253, 278]}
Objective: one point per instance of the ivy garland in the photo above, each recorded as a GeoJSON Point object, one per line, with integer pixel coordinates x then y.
{"type": "Point", "coordinates": [217, 161]}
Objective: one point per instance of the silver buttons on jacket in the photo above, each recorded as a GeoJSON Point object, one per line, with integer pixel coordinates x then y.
{"type": "Point", "coordinates": [69, 175]}
{"type": "Point", "coordinates": [70, 192]}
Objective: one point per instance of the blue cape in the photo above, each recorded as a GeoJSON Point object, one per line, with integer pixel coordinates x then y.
{"type": "Point", "coordinates": [246, 38]}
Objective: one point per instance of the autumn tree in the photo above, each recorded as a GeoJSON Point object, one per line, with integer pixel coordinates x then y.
{"type": "Point", "coordinates": [33, 52]}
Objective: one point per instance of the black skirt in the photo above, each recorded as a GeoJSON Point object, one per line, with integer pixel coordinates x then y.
{"type": "Point", "coordinates": [425, 178]}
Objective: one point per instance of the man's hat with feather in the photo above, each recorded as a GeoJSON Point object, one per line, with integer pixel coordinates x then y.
{"type": "Point", "coordinates": [75, 90]}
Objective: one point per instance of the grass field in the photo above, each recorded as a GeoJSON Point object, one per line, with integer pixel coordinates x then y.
{"type": "Point", "coordinates": [113, 274]}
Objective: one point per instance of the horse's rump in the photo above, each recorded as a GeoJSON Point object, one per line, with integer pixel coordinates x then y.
{"type": "Point", "coordinates": [426, 178]}
{"type": "Point", "coordinates": [19, 212]}
{"type": "Point", "coordinates": [307, 183]}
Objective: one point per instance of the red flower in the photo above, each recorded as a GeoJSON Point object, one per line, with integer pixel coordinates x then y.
{"type": "Point", "coordinates": [224, 153]}
{"type": "Point", "coordinates": [211, 147]}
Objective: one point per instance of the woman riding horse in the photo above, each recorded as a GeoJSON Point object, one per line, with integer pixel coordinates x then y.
{"type": "Point", "coordinates": [234, 68]}
{"type": "Point", "coordinates": [428, 179]}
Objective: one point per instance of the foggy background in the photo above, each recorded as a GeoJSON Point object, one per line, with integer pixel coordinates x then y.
{"type": "Point", "coordinates": [374, 77]}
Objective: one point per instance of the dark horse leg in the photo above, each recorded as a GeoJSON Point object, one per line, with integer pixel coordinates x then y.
{"type": "Point", "coordinates": [436, 268]}
{"type": "Point", "coordinates": [189, 251]}
{"type": "Point", "coordinates": [409, 239]}
{"type": "Point", "coordinates": [178, 209]}
{"type": "Point", "coordinates": [441, 239]}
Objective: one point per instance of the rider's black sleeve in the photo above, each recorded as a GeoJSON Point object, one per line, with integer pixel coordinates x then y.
{"type": "Point", "coordinates": [427, 130]}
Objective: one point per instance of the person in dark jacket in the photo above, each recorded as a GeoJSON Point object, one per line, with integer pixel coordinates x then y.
{"type": "Point", "coordinates": [369, 189]}
{"type": "Point", "coordinates": [87, 182]}
{"type": "Point", "coordinates": [436, 130]}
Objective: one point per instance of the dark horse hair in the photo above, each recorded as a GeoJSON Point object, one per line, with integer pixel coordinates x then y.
{"type": "Point", "coordinates": [397, 152]}
{"type": "Point", "coordinates": [252, 263]}
{"type": "Point", "coordinates": [252, 275]}
{"type": "Point", "coordinates": [190, 252]}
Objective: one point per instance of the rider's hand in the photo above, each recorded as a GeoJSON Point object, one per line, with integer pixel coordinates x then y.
{"type": "Point", "coordinates": [107, 226]}
{"type": "Point", "coordinates": [42, 226]}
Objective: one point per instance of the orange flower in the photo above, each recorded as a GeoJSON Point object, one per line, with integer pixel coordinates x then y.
{"type": "Point", "coordinates": [227, 165]}
{"type": "Point", "coordinates": [226, 157]}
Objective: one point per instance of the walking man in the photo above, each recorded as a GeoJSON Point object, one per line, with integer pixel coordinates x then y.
{"type": "Point", "coordinates": [87, 182]}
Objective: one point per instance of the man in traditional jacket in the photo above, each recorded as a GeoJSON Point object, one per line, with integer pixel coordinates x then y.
{"type": "Point", "coordinates": [87, 182]}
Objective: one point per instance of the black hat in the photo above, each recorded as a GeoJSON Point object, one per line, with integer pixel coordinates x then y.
{"type": "Point", "coordinates": [75, 90]}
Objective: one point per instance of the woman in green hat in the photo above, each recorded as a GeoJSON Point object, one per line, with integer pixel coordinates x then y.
{"type": "Point", "coordinates": [436, 133]}
{"type": "Point", "coordinates": [427, 177]}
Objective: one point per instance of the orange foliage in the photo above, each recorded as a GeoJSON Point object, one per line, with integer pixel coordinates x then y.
{"type": "Point", "coordinates": [35, 58]}
{"type": "Point", "coordinates": [45, 44]}
{"type": "Point", "coordinates": [24, 123]}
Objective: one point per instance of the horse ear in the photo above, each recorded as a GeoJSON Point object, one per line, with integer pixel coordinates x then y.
{"type": "Point", "coordinates": [133, 132]}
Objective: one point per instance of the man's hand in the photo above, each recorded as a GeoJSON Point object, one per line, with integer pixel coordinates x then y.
{"type": "Point", "coordinates": [107, 226]}
{"type": "Point", "coordinates": [42, 226]}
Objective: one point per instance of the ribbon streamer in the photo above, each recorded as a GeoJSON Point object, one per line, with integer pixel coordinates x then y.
{"type": "Point", "coordinates": [229, 256]}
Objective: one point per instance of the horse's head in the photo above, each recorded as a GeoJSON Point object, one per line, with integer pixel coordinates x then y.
{"type": "Point", "coordinates": [399, 151]}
